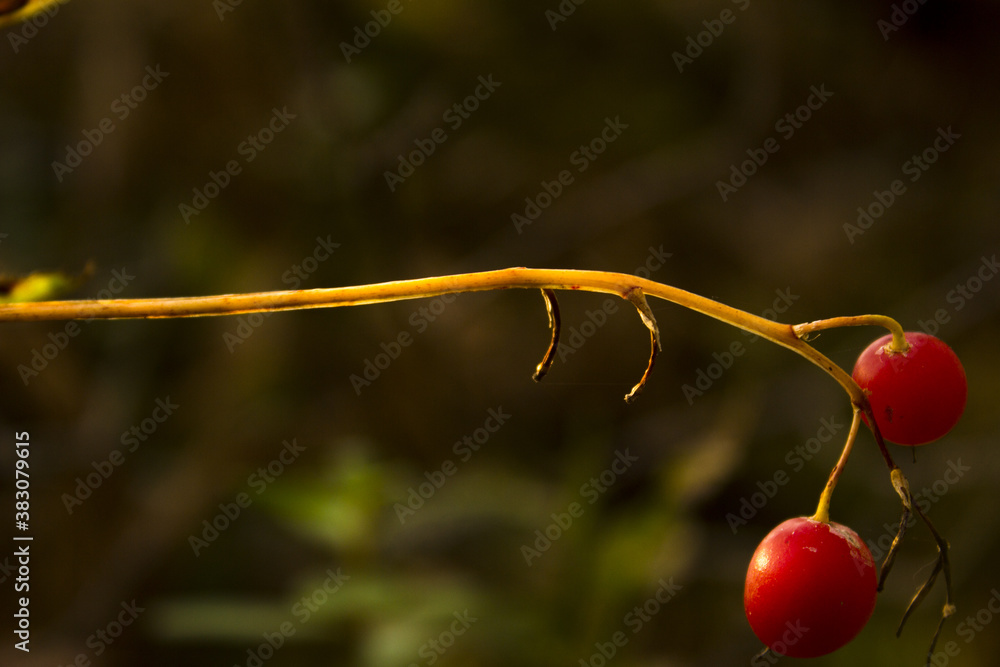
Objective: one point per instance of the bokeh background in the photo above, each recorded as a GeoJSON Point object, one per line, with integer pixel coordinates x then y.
{"type": "Point", "coordinates": [448, 584]}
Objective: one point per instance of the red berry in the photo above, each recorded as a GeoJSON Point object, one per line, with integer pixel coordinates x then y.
{"type": "Point", "coordinates": [918, 395]}
{"type": "Point", "coordinates": [810, 588]}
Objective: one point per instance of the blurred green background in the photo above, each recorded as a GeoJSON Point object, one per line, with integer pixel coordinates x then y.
{"type": "Point", "coordinates": [321, 560]}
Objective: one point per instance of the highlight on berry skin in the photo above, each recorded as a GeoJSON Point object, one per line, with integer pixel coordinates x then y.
{"type": "Point", "coordinates": [810, 588]}
{"type": "Point", "coordinates": [811, 584]}
{"type": "Point", "coordinates": [917, 396]}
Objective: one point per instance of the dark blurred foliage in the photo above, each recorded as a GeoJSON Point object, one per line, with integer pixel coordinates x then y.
{"type": "Point", "coordinates": [780, 238]}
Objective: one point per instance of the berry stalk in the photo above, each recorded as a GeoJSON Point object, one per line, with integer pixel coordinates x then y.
{"type": "Point", "coordinates": [899, 343]}
{"type": "Point", "coordinates": [624, 285]}
{"type": "Point", "coordinates": [628, 287]}
{"type": "Point", "coordinates": [823, 509]}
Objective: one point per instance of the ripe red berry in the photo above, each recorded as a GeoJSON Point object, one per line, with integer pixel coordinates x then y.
{"type": "Point", "coordinates": [810, 588]}
{"type": "Point", "coordinates": [918, 395]}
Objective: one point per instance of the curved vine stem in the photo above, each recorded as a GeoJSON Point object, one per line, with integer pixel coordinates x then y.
{"type": "Point", "coordinates": [823, 509]}
{"type": "Point", "coordinates": [619, 284]}
{"type": "Point", "coordinates": [638, 300]}
{"type": "Point", "coordinates": [898, 344]}
{"type": "Point", "coordinates": [628, 287]}
{"type": "Point", "coordinates": [555, 323]}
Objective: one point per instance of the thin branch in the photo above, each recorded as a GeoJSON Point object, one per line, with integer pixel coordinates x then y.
{"type": "Point", "coordinates": [555, 322]}
{"type": "Point", "coordinates": [638, 299]}
{"type": "Point", "coordinates": [899, 343]}
{"type": "Point", "coordinates": [619, 284]}
{"type": "Point", "coordinates": [823, 509]}
{"type": "Point", "coordinates": [629, 287]}
{"type": "Point", "coordinates": [902, 488]}
{"type": "Point", "coordinates": [943, 564]}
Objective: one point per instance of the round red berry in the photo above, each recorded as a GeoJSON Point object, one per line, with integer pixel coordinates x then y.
{"type": "Point", "coordinates": [810, 588]}
{"type": "Point", "coordinates": [918, 395]}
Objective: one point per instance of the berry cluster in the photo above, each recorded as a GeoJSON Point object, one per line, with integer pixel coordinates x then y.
{"type": "Point", "coordinates": [811, 584]}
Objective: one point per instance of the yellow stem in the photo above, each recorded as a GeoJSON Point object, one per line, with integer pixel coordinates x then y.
{"type": "Point", "coordinates": [628, 287]}
{"type": "Point", "coordinates": [823, 510]}
{"type": "Point", "coordinates": [565, 279]}
{"type": "Point", "coordinates": [898, 343]}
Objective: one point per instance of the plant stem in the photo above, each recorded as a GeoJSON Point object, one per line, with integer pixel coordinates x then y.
{"type": "Point", "coordinates": [555, 323]}
{"type": "Point", "coordinates": [628, 287]}
{"type": "Point", "coordinates": [823, 510]}
{"type": "Point", "coordinates": [898, 344]}
{"type": "Point", "coordinates": [552, 279]}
